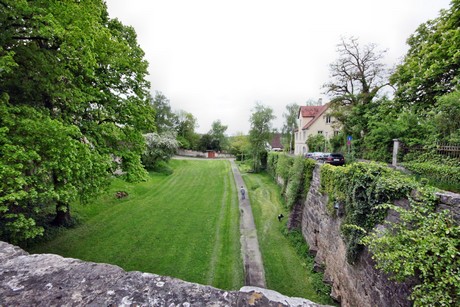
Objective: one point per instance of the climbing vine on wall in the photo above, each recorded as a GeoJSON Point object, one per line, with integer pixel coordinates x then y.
{"type": "Point", "coordinates": [296, 173]}
{"type": "Point", "coordinates": [300, 172]}
{"type": "Point", "coordinates": [424, 244]}
{"type": "Point", "coordinates": [361, 188]}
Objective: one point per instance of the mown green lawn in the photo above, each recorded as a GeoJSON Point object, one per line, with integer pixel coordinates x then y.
{"type": "Point", "coordinates": [184, 225]}
{"type": "Point", "coordinates": [285, 271]}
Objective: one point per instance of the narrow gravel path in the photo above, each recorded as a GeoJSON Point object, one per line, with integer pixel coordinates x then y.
{"type": "Point", "coordinates": [252, 258]}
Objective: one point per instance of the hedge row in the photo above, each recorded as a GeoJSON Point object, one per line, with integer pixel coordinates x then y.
{"type": "Point", "coordinates": [295, 172]}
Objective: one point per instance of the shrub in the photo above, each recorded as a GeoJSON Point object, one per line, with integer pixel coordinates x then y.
{"type": "Point", "coordinates": [294, 189]}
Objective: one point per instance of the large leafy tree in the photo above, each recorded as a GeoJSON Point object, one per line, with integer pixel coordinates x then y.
{"type": "Point", "coordinates": [165, 118]}
{"type": "Point", "coordinates": [239, 146]}
{"type": "Point", "coordinates": [260, 132]}
{"type": "Point", "coordinates": [356, 78]}
{"type": "Point", "coordinates": [69, 70]}
{"type": "Point", "coordinates": [290, 118]}
{"type": "Point", "coordinates": [186, 135]}
{"type": "Point", "coordinates": [217, 133]}
{"type": "Point", "coordinates": [358, 74]}
{"type": "Point", "coordinates": [431, 67]}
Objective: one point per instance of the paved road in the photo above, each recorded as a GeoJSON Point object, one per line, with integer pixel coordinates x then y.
{"type": "Point", "coordinates": [252, 259]}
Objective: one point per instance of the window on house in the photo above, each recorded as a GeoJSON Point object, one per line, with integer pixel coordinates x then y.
{"type": "Point", "coordinates": [336, 133]}
{"type": "Point", "coordinates": [328, 119]}
{"type": "Point", "coordinates": [320, 132]}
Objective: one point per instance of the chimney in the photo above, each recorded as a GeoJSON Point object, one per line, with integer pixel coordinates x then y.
{"type": "Point", "coordinates": [320, 101]}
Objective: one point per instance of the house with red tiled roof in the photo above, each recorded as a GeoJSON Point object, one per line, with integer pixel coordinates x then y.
{"type": "Point", "coordinates": [312, 120]}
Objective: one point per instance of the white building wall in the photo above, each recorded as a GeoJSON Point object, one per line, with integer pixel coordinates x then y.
{"type": "Point", "coordinates": [320, 124]}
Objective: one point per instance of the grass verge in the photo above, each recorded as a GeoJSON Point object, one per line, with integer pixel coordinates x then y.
{"type": "Point", "coordinates": [288, 269]}
{"type": "Point", "coordinates": [184, 225]}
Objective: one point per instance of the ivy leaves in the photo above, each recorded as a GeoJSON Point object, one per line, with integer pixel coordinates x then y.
{"type": "Point", "coordinates": [425, 244]}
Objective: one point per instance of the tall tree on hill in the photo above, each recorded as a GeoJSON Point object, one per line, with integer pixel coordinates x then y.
{"type": "Point", "coordinates": [431, 67]}
{"type": "Point", "coordinates": [260, 133]}
{"type": "Point", "coordinates": [65, 66]}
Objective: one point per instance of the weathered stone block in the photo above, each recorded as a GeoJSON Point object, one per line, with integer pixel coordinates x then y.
{"type": "Point", "coordinates": [51, 280]}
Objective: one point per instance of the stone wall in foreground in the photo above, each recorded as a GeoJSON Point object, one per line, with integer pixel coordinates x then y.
{"type": "Point", "coordinates": [359, 284]}
{"type": "Point", "coordinates": [51, 280]}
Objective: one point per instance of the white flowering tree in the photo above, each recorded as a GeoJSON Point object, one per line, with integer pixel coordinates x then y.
{"type": "Point", "coordinates": [160, 147]}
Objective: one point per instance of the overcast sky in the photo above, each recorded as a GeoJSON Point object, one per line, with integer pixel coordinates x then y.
{"type": "Point", "coordinates": [216, 58]}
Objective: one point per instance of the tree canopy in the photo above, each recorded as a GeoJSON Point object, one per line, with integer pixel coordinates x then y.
{"type": "Point", "coordinates": [290, 119]}
{"type": "Point", "coordinates": [431, 67]}
{"type": "Point", "coordinates": [73, 96]}
{"type": "Point", "coordinates": [260, 132]}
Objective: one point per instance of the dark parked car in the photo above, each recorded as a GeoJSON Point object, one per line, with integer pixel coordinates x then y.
{"type": "Point", "coordinates": [334, 159]}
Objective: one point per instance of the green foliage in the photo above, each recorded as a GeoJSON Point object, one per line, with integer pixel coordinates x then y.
{"type": "Point", "coordinates": [431, 67]}
{"type": "Point", "coordinates": [446, 118]}
{"type": "Point", "coordinates": [294, 189]}
{"type": "Point", "coordinates": [165, 118]}
{"type": "Point", "coordinates": [442, 173]}
{"type": "Point", "coordinates": [361, 188]}
{"type": "Point", "coordinates": [283, 168]}
{"type": "Point", "coordinates": [186, 135]}
{"type": "Point", "coordinates": [317, 143]}
{"type": "Point", "coordinates": [297, 240]}
{"type": "Point", "coordinates": [309, 166]}
{"type": "Point", "coordinates": [423, 244]}
{"type": "Point", "coordinates": [43, 163]}
{"type": "Point", "coordinates": [160, 147]}
{"type": "Point", "coordinates": [240, 146]}
{"type": "Point", "coordinates": [426, 244]}
{"type": "Point", "coordinates": [260, 133]}
{"type": "Point", "coordinates": [296, 174]}
{"type": "Point", "coordinates": [74, 95]}
{"type": "Point", "coordinates": [290, 120]}
{"type": "Point", "coordinates": [439, 170]}
{"type": "Point", "coordinates": [217, 133]}
{"type": "Point", "coordinates": [272, 162]}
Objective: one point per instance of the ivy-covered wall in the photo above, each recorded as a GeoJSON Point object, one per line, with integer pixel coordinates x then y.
{"type": "Point", "coordinates": [295, 172]}
{"type": "Point", "coordinates": [384, 238]}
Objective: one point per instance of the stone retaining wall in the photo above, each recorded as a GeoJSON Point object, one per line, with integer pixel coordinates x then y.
{"type": "Point", "coordinates": [359, 284]}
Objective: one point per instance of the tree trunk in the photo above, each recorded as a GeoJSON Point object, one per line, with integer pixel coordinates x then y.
{"type": "Point", "coordinates": [62, 215]}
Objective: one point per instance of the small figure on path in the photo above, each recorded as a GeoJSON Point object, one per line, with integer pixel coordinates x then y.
{"type": "Point", "coordinates": [280, 216]}
{"type": "Point", "coordinates": [243, 193]}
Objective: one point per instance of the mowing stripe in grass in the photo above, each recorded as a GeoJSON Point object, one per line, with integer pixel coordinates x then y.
{"type": "Point", "coordinates": [170, 225]}
{"type": "Point", "coordinates": [217, 239]}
